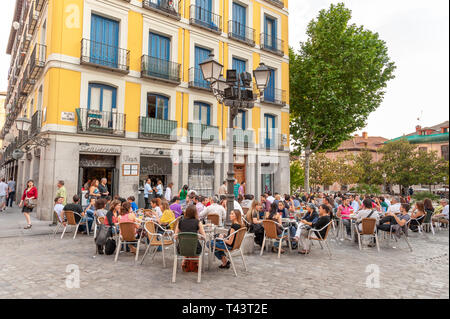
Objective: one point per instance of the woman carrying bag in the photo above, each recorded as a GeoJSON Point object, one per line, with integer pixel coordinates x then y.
{"type": "Point", "coordinates": [28, 201]}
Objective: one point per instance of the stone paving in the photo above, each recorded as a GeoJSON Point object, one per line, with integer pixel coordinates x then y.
{"type": "Point", "coordinates": [35, 267]}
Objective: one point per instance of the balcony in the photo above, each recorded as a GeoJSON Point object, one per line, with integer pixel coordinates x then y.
{"type": "Point", "coordinates": [275, 142]}
{"type": "Point", "coordinates": [36, 123]}
{"type": "Point", "coordinates": [277, 3]}
{"type": "Point", "coordinates": [22, 94]}
{"type": "Point", "coordinates": [169, 8]}
{"type": "Point", "coordinates": [272, 44]}
{"type": "Point", "coordinates": [22, 138]}
{"type": "Point", "coordinates": [158, 69]}
{"type": "Point", "coordinates": [100, 123]}
{"type": "Point", "coordinates": [151, 128]}
{"type": "Point", "coordinates": [33, 18]}
{"type": "Point", "coordinates": [241, 33]}
{"type": "Point", "coordinates": [275, 96]}
{"type": "Point", "coordinates": [196, 80]}
{"type": "Point", "coordinates": [105, 56]}
{"type": "Point", "coordinates": [201, 133]}
{"type": "Point", "coordinates": [28, 82]}
{"type": "Point", "coordinates": [242, 138]}
{"type": "Point", "coordinates": [205, 19]}
{"type": "Point", "coordinates": [37, 61]}
{"type": "Point", "coordinates": [27, 40]}
{"type": "Point", "coordinates": [38, 4]}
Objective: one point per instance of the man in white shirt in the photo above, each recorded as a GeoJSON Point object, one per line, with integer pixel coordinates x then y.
{"type": "Point", "coordinates": [270, 198]}
{"type": "Point", "coordinates": [236, 206]}
{"type": "Point", "coordinates": [442, 217]}
{"type": "Point", "coordinates": [395, 207]}
{"type": "Point", "coordinates": [148, 193]}
{"type": "Point", "coordinates": [387, 201]}
{"type": "Point", "coordinates": [214, 209]}
{"type": "Point", "coordinates": [355, 204]}
{"type": "Point", "coordinates": [168, 194]}
{"type": "Point", "coordinates": [223, 188]}
{"type": "Point", "coordinates": [3, 194]}
{"type": "Point", "coordinates": [59, 207]}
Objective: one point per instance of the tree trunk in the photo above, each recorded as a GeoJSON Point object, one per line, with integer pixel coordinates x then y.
{"type": "Point", "coordinates": [307, 159]}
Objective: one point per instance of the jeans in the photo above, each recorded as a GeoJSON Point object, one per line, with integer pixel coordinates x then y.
{"type": "Point", "coordinates": [11, 198]}
{"type": "Point", "coordinates": [221, 245]}
{"type": "Point", "coordinates": [147, 203]}
{"type": "Point", "coordinates": [90, 220]}
{"type": "Point", "coordinates": [348, 224]}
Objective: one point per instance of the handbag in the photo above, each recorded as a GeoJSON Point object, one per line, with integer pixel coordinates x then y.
{"type": "Point", "coordinates": [29, 202]}
{"type": "Point", "coordinates": [103, 234]}
{"type": "Point", "coordinates": [110, 246]}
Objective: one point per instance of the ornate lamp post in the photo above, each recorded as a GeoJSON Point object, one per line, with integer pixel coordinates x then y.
{"type": "Point", "coordinates": [236, 93]}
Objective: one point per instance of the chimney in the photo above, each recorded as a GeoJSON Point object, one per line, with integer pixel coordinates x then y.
{"type": "Point", "coordinates": [418, 128]}
{"type": "Point", "coordinates": [365, 135]}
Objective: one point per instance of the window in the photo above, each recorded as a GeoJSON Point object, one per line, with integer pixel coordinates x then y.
{"type": "Point", "coordinates": [104, 41]}
{"type": "Point", "coordinates": [201, 55]}
{"type": "Point", "coordinates": [101, 97]}
{"type": "Point", "coordinates": [270, 32]}
{"type": "Point", "coordinates": [159, 47]}
{"type": "Point", "coordinates": [40, 98]}
{"type": "Point", "coordinates": [202, 113]}
{"type": "Point", "coordinates": [239, 21]}
{"type": "Point", "coordinates": [444, 152]}
{"type": "Point", "coordinates": [44, 33]}
{"type": "Point", "coordinates": [157, 106]}
{"type": "Point", "coordinates": [269, 125]}
{"type": "Point", "coordinates": [269, 92]}
{"type": "Point", "coordinates": [240, 120]}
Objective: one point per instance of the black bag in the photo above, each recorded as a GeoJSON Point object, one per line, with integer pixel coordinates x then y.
{"type": "Point", "coordinates": [259, 234]}
{"type": "Point", "coordinates": [103, 234]}
{"type": "Point", "coordinates": [110, 246]}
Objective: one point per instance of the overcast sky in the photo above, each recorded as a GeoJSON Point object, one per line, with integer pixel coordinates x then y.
{"type": "Point", "coordinates": [416, 32]}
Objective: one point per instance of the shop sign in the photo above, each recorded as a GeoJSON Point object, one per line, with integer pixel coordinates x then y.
{"type": "Point", "coordinates": [100, 149]}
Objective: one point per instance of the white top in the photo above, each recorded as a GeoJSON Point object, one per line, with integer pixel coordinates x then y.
{"type": "Point", "coordinates": [271, 199]}
{"type": "Point", "coordinates": [58, 209]}
{"type": "Point", "coordinates": [147, 190]}
{"type": "Point", "coordinates": [168, 194]}
{"type": "Point", "coordinates": [238, 207]}
{"type": "Point", "coordinates": [158, 211]}
{"type": "Point", "coordinates": [3, 189]}
{"type": "Point", "coordinates": [159, 188]}
{"type": "Point", "coordinates": [214, 209]}
{"type": "Point", "coordinates": [394, 208]}
{"type": "Point", "coordinates": [355, 206]}
{"type": "Point", "coordinates": [364, 213]}
{"type": "Point", "coordinates": [445, 211]}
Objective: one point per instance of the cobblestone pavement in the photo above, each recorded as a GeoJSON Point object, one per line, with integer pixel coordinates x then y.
{"type": "Point", "coordinates": [35, 267]}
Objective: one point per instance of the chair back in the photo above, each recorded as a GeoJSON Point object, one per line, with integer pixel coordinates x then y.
{"type": "Point", "coordinates": [270, 227]}
{"type": "Point", "coordinates": [128, 231]}
{"type": "Point", "coordinates": [368, 226]}
{"type": "Point", "coordinates": [214, 219]}
{"type": "Point", "coordinates": [328, 230]}
{"type": "Point", "coordinates": [151, 229]}
{"type": "Point", "coordinates": [175, 222]}
{"type": "Point", "coordinates": [239, 237]}
{"type": "Point", "coordinates": [187, 243]}
{"type": "Point", "coordinates": [70, 216]}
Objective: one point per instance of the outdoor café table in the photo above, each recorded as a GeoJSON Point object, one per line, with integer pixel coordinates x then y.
{"type": "Point", "coordinates": [289, 222]}
{"type": "Point", "coordinates": [210, 231]}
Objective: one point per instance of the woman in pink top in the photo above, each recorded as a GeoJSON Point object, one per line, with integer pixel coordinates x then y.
{"type": "Point", "coordinates": [344, 212]}
{"type": "Point", "coordinates": [127, 216]}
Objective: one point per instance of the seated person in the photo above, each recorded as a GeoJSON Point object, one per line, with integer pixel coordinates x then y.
{"type": "Point", "coordinates": [90, 209]}
{"type": "Point", "coordinates": [167, 216]}
{"type": "Point", "coordinates": [236, 220]}
{"type": "Point", "coordinates": [214, 209]}
{"type": "Point", "coordinates": [306, 222]}
{"type": "Point", "coordinates": [367, 211]}
{"type": "Point", "coordinates": [344, 211]}
{"type": "Point", "coordinates": [111, 218]}
{"type": "Point", "coordinates": [275, 216]}
{"type": "Point", "coordinates": [132, 201]}
{"type": "Point", "coordinates": [442, 216]}
{"type": "Point", "coordinates": [247, 202]}
{"type": "Point", "coordinates": [417, 216]}
{"type": "Point", "coordinates": [126, 215]}
{"type": "Point", "coordinates": [282, 210]}
{"type": "Point", "coordinates": [391, 219]}
{"type": "Point", "coordinates": [325, 213]}
{"type": "Point", "coordinates": [255, 214]}
{"type": "Point", "coordinates": [100, 210]}
{"type": "Point", "coordinates": [59, 208]}
{"type": "Point", "coordinates": [176, 207]}
{"type": "Point", "coordinates": [76, 208]}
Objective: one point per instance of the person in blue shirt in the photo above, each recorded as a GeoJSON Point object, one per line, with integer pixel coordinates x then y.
{"type": "Point", "coordinates": [134, 206]}
{"type": "Point", "coordinates": [236, 189]}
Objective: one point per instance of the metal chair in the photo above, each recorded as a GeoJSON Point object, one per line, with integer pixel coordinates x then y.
{"type": "Point", "coordinates": [157, 240]}
{"type": "Point", "coordinates": [127, 235]}
{"type": "Point", "coordinates": [270, 232]}
{"type": "Point", "coordinates": [214, 219]}
{"type": "Point", "coordinates": [369, 228]}
{"type": "Point", "coordinates": [239, 237]}
{"type": "Point", "coordinates": [59, 225]}
{"type": "Point", "coordinates": [187, 245]}
{"type": "Point", "coordinates": [71, 221]}
{"type": "Point", "coordinates": [321, 239]}
{"type": "Point", "coordinates": [97, 222]}
{"type": "Point", "coordinates": [402, 233]}
{"type": "Point", "coordinates": [427, 223]}
{"type": "Point", "coordinates": [419, 222]}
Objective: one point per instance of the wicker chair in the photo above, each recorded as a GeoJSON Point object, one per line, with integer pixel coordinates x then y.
{"type": "Point", "coordinates": [59, 225]}
{"type": "Point", "coordinates": [157, 240]}
{"type": "Point", "coordinates": [368, 228]}
{"type": "Point", "coordinates": [270, 233]}
{"type": "Point", "coordinates": [214, 219]}
{"type": "Point", "coordinates": [71, 221]}
{"type": "Point", "coordinates": [239, 237]}
{"type": "Point", "coordinates": [126, 236]}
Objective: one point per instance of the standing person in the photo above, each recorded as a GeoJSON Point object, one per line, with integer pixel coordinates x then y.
{"type": "Point", "coordinates": [223, 188]}
{"type": "Point", "coordinates": [103, 188]}
{"type": "Point", "coordinates": [168, 194]}
{"type": "Point", "coordinates": [11, 192]}
{"type": "Point", "coordinates": [182, 194]}
{"type": "Point", "coordinates": [242, 189]}
{"type": "Point", "coordinates": [3, 194]}
{"type": "Point", "coordinates": [159, 190]}
{"type": "Point", "coordinates": [93, 190]}
{"type": "Point", "coordinates": [176, 207]}
{"type": "Point", "coordinates": [30, 194]}
{"type": "Point", "coordinates": [148, 192]}
{"type": "Point", "coordinates": [236, 189]}
{"type": "Point", "coordinates": [61, 192]}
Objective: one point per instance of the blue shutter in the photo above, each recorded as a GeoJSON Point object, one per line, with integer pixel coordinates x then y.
{"type": "Point", "coordinates": [159, 49]}
{"type": "Point", "coordinates": [204, 112]}
{"type": "Point", "coordinates": [239, 20]}
{"type": "Point", "coordinates": [269, 123]}
{"type": "Point", "coordinates": [203, 12]}
{"type": "Point", "coordinates": [200, 56]}
{"type": "Point", "coordinates": [270, 40]}
{"type": "Point", "coordinates": [104, 41]}
{"type": "Point", "coordinates": [269, 92]}
{"type": "Point", "coordinates": [103, 88]}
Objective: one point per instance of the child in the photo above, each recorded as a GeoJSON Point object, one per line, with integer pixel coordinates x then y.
{"type": "Point", "coordinates": [134, 206]}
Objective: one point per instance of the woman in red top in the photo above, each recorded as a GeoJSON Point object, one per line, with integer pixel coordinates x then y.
{"type": "Point", "coordinates": [29, 194]}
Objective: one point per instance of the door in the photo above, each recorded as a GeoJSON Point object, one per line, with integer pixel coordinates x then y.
{"type": "Point", "coordinates": [104, 41]}
{"type": "Point", "coordinates": [202, 113]}
{"type": "Point", "coordinates": [270, 31]}
{"type": "Point", "coordinates": [239, 173]}
{"type": "Point", "coordinates": [203, 12]}
{"type": "Point", "coordinates": [270, 130]}
{"type": "Point", "coordinates": [101, 98]}
{"type": "Point", "coordinates": [159, 51]}
{"type": "Point", "coordinates": [201, 55]}
{"type": "Point", "coordinates": [239, 21]}
{"type": "Point", "coordinates": [269, 92]}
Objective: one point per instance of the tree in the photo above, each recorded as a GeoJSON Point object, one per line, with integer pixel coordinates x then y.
{"type": "Point", "coordinates": [337, 79]}
{"type": "Point", "coordinates": [297, 175]}
{"type": "Point", "coordinates": [345, 172]}
{"type": "Point", "coordinates": [322, 170]}
{"type": "Point", "coordinates": [369, 172]}
{"type": "Point", "coordinates": [429, 168]}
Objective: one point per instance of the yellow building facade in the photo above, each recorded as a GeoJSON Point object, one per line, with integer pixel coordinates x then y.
{"type": "Point", "coordinates": [115, 88]}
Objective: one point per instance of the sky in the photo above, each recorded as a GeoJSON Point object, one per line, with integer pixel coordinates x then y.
{"type": "Point", "coordinates": [416, 33]}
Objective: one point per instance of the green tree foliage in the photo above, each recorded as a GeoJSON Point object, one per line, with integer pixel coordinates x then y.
{"type": "Point", "coordinates": [297, 175]}
{"type": "Point", "coordinates": [429, 168]}
{"type": "Point", "coordinates": [323, 172]}
{"type": "Point", "coordinates": [337, 78]}
{"type": "Point", "coordinates": [368, 171]}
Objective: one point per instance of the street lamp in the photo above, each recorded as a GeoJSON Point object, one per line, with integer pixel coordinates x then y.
{"type": "Point", "coordinates": [23, 124]}
{"type": "Point", "coordinates": [236, 93]}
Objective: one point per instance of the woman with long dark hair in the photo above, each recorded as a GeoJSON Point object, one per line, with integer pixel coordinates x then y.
{"type": "Point", "coordinates": [29, 197]}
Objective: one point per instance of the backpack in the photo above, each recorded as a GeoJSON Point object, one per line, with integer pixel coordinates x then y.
{"type": "Point", "coordinates": [259, 234]}
{"type": "Point", "coordinates": [110, 246]}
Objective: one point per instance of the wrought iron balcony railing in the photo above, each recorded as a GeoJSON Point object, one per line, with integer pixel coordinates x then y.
{"type": "Point", "coordinates": [157, 129]}
{"type": "Point", "coordinates": [37, 61]}
{"type": "Point", "coordinates": [274, 96]}
{"type": "Point", "coordinates": [272, 44]}
{"type": "Point", "coordinates": [205, 19]}
{"type": "Point", "coordinates": [38, 4]}
{"type": "Point", "coordinates": [105, 56]}
{"type": "Point", "coordinates": [242, 138]}
{"type": "Point", "coordinates": [201, 133]}
{"type": "Point", "coordinates": [100, 123]}
{"type": "Point", "coordinates": [170, 8]}
{"type": "Point", "coordinates": [36, 123]}
{"type": "Point", "coordinates": [241, 32]}
{"type": "Point", "coordinates": [197, 81]}
{"type": "Point", "coordinates": [156, 68]}
{"type": "Point", "coordinates": [33, 18]}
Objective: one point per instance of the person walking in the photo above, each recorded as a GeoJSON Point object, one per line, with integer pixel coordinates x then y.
{"type": "Point", "coordinates": [168, 194]}
{"type": "Point", "coordinates": [30, 195]}
{"type": "Point", "coordinates": [3, 194]}
{"type": "Point", "coordinates": [11, 192]}
{"type": "Point", "coordinates": [223, 188]}
{"type": "Point", "coordinates": [61, 192]}
{"type": "Point", "coordinates": [148, 192]}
